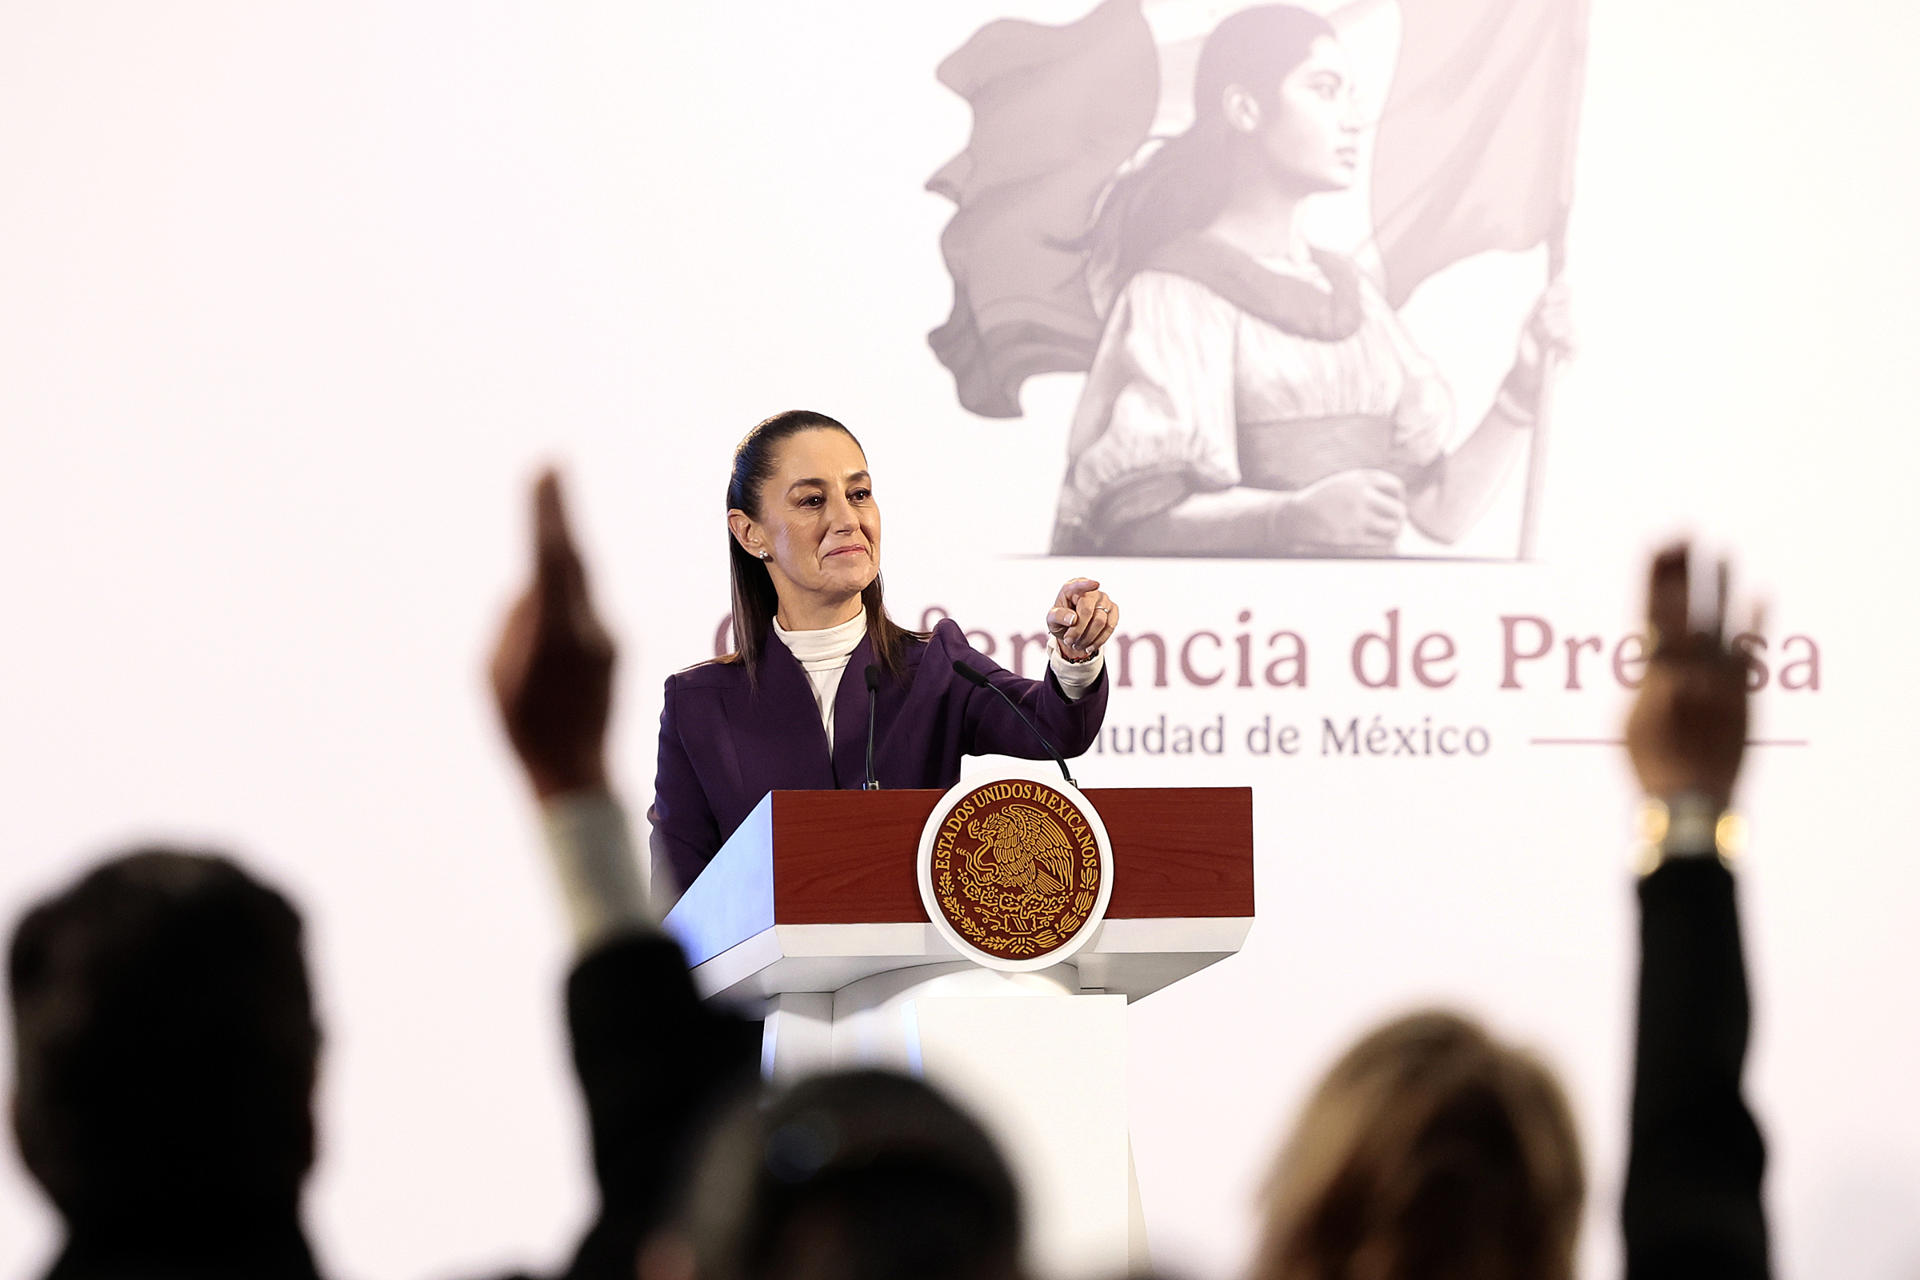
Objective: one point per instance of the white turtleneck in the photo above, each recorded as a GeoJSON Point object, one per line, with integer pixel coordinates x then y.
{"type": "Point", "coordinates": [823, 655]}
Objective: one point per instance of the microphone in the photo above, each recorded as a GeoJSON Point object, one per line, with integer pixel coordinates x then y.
{"type": "Point", "coordinates": [973, 677]}
{"type": "Point", "coordinates": [873, 705]}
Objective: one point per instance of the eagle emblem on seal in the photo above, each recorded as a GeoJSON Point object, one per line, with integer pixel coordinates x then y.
{"type": "Point", "coordinates": [1020, 875]}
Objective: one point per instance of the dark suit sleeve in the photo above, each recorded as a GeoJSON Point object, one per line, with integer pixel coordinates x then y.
{"type": "Point", "coordinates": [1692, 1206]}
{"type": "Point", "coordinates": [654, 1065]}
{"type": "Point", "coordinates": [991, 726]}
{"type": "Point", "coordinates": [685, 833]}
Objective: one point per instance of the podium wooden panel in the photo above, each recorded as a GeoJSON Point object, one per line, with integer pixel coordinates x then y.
{"type": "Point", "coordinates": [817, 889]}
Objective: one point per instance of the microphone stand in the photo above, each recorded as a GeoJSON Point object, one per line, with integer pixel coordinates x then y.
{"type": "Point", "coordinates": [873, 706]}
{"type": "Point", "coordinates": [979, 679]}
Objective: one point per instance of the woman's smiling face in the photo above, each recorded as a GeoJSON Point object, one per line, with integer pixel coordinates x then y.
{"type": "Point", "coordinates": [818, 529]}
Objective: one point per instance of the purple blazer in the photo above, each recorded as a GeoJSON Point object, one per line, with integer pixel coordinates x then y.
{"type": "Point", "coordinates": [724, 744]}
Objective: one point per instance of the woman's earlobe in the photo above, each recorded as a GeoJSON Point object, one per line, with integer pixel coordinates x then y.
{"type": "Point", "coordinates": [1240, 109]}
{"type": "Point", "coordinates": [740, 525]}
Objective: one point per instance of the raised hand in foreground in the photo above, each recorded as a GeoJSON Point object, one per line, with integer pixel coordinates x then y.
{"type": "Point", "coordinates": [552, 667]}
{"type": "Point", "coordinates": [1692, 1201]}
{"type": "Point", "coordinates": [1687, 732]}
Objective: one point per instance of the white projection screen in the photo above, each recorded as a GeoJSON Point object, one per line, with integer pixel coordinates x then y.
{"type": "Point", "coordinates": [295, 299]}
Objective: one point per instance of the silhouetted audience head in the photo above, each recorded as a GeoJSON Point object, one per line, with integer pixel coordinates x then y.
{"type": "Point", "coordinates": [165, 1047]}
{"type": "Point", "coordinates": [860, 1175]}
{"type": "Point", "coordinates": [1430, 1150]}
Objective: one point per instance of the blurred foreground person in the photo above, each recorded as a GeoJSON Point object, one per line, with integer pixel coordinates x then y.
{"type": "Point", "coordinates": [1430, 1151]}
{"type": "Point", "coordinates": [1692, 1206]}
{"type": "Point", "coordinates": [858, 1175]}
{"type": "Point", "coordinates": [164, 1058]}
{"type": "Point", "coordinates": [654, 1064]}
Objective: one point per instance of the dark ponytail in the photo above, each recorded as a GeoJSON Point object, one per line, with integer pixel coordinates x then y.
{"type": "Point", "coordinates": [754, 600]}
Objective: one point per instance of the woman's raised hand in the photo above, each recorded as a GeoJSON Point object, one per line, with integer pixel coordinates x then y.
{"type": "Point", "coordinates": [1549, 330]}
{"type": "Point", "coordinates": [1082, 619]}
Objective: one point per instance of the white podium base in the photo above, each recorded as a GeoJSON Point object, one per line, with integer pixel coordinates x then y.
{"type": "Point", "coordinates": [1040, 1061]}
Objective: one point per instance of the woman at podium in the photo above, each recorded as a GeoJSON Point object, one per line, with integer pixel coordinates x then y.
{"type": "Point", "coordinates": [816, 653]}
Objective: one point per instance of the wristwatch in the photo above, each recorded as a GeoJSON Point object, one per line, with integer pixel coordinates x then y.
{"type": "Point", "coordinates": [1688, 825]}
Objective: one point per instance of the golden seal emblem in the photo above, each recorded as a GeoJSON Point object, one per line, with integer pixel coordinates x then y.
{"type": "Point", "coordinates": [1015, 871]}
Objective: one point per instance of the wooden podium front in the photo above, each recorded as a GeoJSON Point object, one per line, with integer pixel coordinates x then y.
{"type": "Point", "coordinates": [811, 914]}
{"type": "Point", "coordinates": [816, 890]}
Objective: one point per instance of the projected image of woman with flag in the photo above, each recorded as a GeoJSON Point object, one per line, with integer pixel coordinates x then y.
{"type": "Point", "coordinates": [1248, 392]}
{"type": "Point", "coordinates": [1253, 394]}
